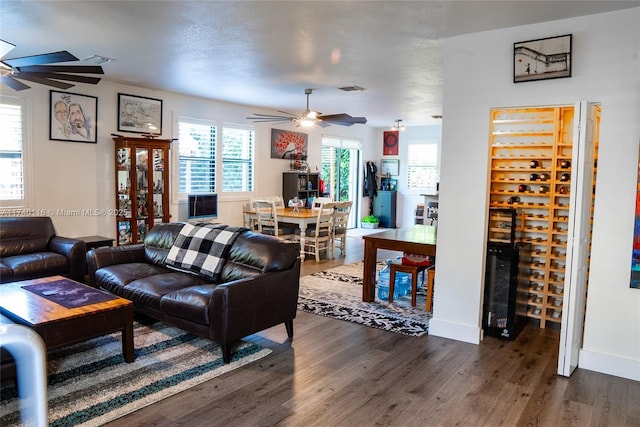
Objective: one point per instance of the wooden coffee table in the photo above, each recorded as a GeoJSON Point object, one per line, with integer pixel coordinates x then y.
{"type": "Point", "coordinates": [58, 325]}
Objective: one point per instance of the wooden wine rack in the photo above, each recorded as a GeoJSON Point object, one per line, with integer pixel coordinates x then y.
{"type": "Point", "coordinates": [531, 172]}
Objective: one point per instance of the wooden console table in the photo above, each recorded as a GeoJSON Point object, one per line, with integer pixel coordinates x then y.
{"type": "Point", "coordinates": [416, 239]}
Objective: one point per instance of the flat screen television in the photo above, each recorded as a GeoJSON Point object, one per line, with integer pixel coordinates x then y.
{"type": "Point", "coordinates": [202, 206]}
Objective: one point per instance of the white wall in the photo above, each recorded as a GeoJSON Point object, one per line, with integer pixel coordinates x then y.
{"type": "Point", "coordinates": [478, 77]}
{"type": "Point", "coordinates": [72, 176]}
{"type": "Point", "coordinates": [407, 199]}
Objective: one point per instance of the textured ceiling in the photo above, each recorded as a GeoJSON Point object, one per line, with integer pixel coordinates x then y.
{"type": "Point", "coordinates": [265, 53]}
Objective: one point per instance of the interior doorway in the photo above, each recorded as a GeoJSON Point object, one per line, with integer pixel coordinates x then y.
{"type": "Point", "coordinates": [543, 167]}
{"type": "Point", "coordinates": [340, 171]}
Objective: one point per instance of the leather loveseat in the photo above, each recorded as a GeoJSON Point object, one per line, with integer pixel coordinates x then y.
{"type": "Point", "coordinates": [256, 289]}
{"type": "Point", "coordinates": [30, 249]}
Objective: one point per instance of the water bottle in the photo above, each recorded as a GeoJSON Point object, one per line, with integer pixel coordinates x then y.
{"type": "Point", "coordinates": [383, 282]}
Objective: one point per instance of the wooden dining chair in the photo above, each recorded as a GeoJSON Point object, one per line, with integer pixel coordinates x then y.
{"type": "Point", "coordinates": [340, 224]}
{"type": "Point", "coordinates": [318, 201]}
{"type": "Point", "coordinates": [320, 238]}
{"type": "Point", "coordinates": [267, 221]}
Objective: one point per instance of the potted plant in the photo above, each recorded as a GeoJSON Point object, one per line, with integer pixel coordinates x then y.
{"type": "Point", "coordinates": [369, 222]}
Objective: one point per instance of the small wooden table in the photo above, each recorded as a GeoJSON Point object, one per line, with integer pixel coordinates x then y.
{"type": "Point", "coordinates": [93, 242]}
{"type": "Point", "coordinates": [58, 325]}
{"type": "Point", "coordinates": [416, 239]}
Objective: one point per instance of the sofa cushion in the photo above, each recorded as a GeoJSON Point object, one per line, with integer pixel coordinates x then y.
{"type": "Point", "coordinates": [114, 278]}
{"type": "Point", "coordinates": [6, 273]}
{"type": "Point", "coordinates": [20, 235]}
{"type": "Point", "coordinates": [159, 240]}
{"type": "Point", "coordinates": [253, 254]}
{"type": "Point", "coordinates": [202, 248]}
{"type": "Point", "coordinates": [149, 292]}
{"type": "Point", "coordinates": [191, 303]}
{"type": "Point", "coordinates": [34, 265]}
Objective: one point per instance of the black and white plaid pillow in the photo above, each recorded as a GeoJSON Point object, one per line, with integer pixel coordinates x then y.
{"type": "Point", "coordinates": [202, 248]}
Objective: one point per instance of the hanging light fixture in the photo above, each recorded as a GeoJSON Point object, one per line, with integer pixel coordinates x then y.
{"type": "Point", "coordinates": [398, 125]}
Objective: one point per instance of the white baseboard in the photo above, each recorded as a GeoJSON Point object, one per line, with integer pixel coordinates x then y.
{"type": "Point", "coordinates": [455, 331]}
{"type": "Point", "coordinates": [607, 364]}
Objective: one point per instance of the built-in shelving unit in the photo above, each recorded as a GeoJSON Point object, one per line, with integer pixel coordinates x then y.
{"type": "Point", "coordinates": [300, 184]}
{"type": "Point", "coordinates": [531, 152]}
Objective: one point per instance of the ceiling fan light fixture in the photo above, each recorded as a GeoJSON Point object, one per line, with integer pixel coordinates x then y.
{"type": "Point", "coordinates": [398, 125]}
{"type": "Point", "coordinates": [307, 122]}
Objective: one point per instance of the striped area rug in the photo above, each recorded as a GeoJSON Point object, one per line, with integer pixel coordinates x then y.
{"type": "Point", "coordinates": [91, 384]}
{"type": "Point", "coordinates": [337, 293]}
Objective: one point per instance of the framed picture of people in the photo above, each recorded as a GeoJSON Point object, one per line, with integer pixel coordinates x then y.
{"type": "Point", "coordinates": [73, 117]}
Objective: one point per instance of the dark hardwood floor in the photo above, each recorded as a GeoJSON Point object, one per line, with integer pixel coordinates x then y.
{"type": "Point", "coordinates": [337, 373]}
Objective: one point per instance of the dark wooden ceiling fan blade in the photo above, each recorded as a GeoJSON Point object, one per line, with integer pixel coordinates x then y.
{"type": "Point", "coordinates": [62, 76]}
{"type": "Point", "coordinates": [262, 118]}
{"type": "Point", "coordinates": [82, 69]}
{"type": "Point", "coordinates": [343, 119]}
{"type": "Point", "coordinates": [44, 81]}
{"type": "Point", "coordinates": [45, 58]}
{"type": "Point", "coordinates": [13, 83]}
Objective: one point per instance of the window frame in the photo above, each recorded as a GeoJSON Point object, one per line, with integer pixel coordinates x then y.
{"type": "Point", "coordinates": [26, 202]}
{"type": "Point", "coordinates": [178, 117]}
{"type": "Point", "coordinates": [436, 167]}
{"type": "Point", "coordinates": [251, 160]}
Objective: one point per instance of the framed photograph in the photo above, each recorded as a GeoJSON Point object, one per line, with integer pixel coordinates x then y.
{"type": "Point", "coordinates": [139, 114]}
{"type": "Point", "coordinates": [286, 144]}
{"type": "Point", "coordinates": [389, 167]}
{"type": "Point", "coordinates": [542, 59]}
{"type": "Point", "coordinates": [73, 117]}
{"type": "Point", "coordinates": [390, 140]}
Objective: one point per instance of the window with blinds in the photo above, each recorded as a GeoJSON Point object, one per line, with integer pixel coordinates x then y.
{"type": "Point", "coordinates": [13, 185]}
{"type": "Point", "coordinates": [237, 159]}
{"type": "Point", "coordinates": [422, 162]}
{"type": "Point", "coordinates": [196, 156]}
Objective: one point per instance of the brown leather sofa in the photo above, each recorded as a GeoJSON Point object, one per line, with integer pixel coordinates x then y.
{"type": "Point", "coordinates": [29, 249]}
{"type": "Point", "coordinates": [257, 289]}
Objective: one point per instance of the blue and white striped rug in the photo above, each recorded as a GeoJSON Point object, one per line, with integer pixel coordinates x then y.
{"type": "Point", "coordinates": [91, 384]}
{"type": "Point", "coordinates": [337, 293]}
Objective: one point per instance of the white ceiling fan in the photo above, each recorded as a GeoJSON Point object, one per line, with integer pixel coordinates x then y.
{"type": "Point", "coordinates": [309, 117]}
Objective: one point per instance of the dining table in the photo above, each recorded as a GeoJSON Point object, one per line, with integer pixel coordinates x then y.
{"type": "Point", "coordinates": [301, 217]}
{"type": "Point", "coordinates": [416, 239]}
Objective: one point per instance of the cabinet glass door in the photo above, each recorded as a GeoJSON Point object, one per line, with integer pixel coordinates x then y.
{"type": "Point", "coordinates": [158, 185]}
{"type": "Point", "coordinates": [142, 191]}
{"type": "Point", "coordinates": [123, 167]}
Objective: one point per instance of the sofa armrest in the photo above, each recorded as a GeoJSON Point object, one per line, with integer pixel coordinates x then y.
{"type": "Point", "coordinates": [104, 256]}
{"type": "Point", "coordinates": [75, 250]}
{"type": "Point", "coordinates": [245, 306]}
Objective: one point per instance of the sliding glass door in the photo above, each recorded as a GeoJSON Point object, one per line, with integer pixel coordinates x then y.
{"type": "Point", "coordinates": [340, 160]}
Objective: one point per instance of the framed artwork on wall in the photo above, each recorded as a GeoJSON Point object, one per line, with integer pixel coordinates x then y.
{"type": "Point", "coordinates": [389, 167]}
{"type": "Point", "coordinates": [635, 255]}
{"type": "Point", "coordinates": [139, 114]}
{"type": "Point", "coordinates": [286, 144]}
{"type": "Point", "coordinates": [73, 117]}
{"type": "Point", "coordinates": [390, 140]}
{"type": "Point", "coordinates": [542, 59]}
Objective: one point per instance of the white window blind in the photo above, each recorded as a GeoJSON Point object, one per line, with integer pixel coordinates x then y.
{"type": "Point", "coordinates": [196, 156]}
{"type": "Point", "coordinates": [13, 176]}
{"type": "Point", "coordinates": [237, 159]}
{"type": "Point", "coordinates": [422, 162]}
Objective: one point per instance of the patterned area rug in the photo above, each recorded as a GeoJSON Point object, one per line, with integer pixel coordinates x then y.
{"type": "Point", "coordinates": [91, 384]}
{"type": "Point", "coordinates": [337, 293]}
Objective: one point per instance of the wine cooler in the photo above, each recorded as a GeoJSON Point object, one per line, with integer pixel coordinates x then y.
{"type": "Point", "coordinates": [505, 289]}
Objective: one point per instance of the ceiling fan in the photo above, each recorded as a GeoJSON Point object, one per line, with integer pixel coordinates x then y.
{"type": "Point", "coordinates": [309, 117]}
{"type": "Point", "coordinates": [35, 69]}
